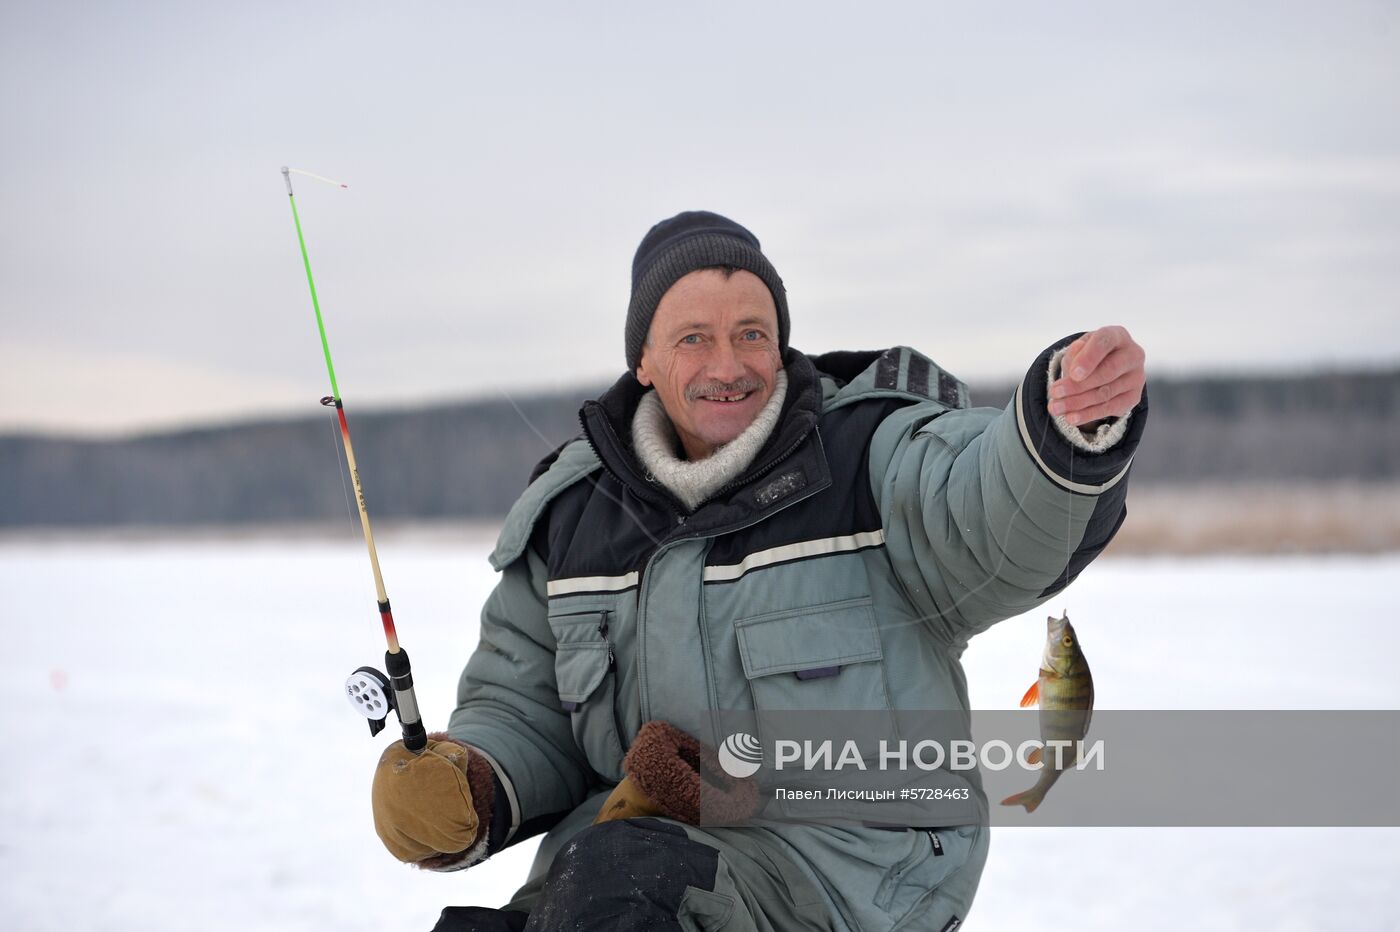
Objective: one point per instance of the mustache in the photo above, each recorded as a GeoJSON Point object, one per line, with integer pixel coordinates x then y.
{"type": "Point", "coordinates": [739, 387]}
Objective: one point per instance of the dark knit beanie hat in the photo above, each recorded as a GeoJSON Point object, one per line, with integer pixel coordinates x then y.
{"type": "Point", "coordinates": [695, 239]}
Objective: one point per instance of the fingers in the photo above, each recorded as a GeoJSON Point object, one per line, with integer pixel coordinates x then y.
{"type": "Point", "coordinates": [1120, 396]}
{"type": "Point", "coordinates": [1103, 376]}
{"type": "Point", "coordinates": [1117, 407]}
{"type": "Point", "coordinates": [1068, 397]}
{"type": "Point", "coordinates": [1072, 351]}
{"type": "Point", "coordinates": [1121, 362]}
{"type": "Point", "coordinates": [1083, 356]}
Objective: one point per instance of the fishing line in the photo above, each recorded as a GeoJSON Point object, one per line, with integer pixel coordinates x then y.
{"type": "Point", "coordinates": [344, 483]}
{"type": "Point", "coordinates": [1069, 514]}
{"type": "Point", "coordinates": [298, 171]}
{"type": "Point", "coordinates": [617, 500]}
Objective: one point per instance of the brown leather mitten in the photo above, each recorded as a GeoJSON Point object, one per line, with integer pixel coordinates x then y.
{"type": "Point", "coordinates": [432, 809]}
{"type": "Point", "coordinates": [670, 773]}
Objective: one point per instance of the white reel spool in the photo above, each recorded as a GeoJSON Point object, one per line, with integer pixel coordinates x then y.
{"type": "Point", "coordinates": [369, 694]}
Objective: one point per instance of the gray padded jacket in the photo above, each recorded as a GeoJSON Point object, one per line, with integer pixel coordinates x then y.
{"type": "Point", "coordinates": [882, 525]}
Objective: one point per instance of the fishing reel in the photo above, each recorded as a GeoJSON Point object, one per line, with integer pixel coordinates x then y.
{"type": "Point", "coordinates": [369, 694]}
{"type": "Point", "coordinates": [374, 695]}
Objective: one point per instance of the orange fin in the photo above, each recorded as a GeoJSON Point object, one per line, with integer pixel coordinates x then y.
{"type": "Point", "coordinates": [1034, 756]}
{"type": "Point", "coordinates": [1032, 695]}
{"type": "Point", "coordinates": [1030, 799]}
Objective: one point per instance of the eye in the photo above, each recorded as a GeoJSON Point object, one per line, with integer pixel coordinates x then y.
{"type": "Point", "coordinates": [753, 336]}
{"type": "Point", "coordinates": [691, 339]}
{"type": "Point", "coordinates": [1067, 641]}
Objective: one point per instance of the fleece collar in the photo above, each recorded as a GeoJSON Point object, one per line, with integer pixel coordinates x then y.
{"type": "Point", "coordinates": [655, 440]}
{"type": "Point", "coordinates": [607, 423]}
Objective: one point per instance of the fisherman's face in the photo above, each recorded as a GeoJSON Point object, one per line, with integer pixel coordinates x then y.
{"type": "Point", "coordinates": [712, 356]}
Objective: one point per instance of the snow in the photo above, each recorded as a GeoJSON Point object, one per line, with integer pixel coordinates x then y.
{"type": "Point", "coordinates": [178, 753]}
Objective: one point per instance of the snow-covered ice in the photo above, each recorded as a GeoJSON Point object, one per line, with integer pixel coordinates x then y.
{"type": "Point", "coordinates": [178, 753]}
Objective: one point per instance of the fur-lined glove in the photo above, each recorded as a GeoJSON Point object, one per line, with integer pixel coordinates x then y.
{"type": "Point", "coordinates": [433, 809]}
{"type": "Point", "coordinates": [669, 773]}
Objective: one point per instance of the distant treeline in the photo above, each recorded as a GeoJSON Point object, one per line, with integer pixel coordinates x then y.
{"type": "Point", "coordinates": [472, 459]}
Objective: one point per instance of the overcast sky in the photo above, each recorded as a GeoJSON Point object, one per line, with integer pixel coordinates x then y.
{"type": "Point", "coordinates": [974, 180]}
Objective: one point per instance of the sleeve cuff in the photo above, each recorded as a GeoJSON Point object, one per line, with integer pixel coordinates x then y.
{"type": "Point", "coordinates": [1068, 461]}
{"type": "Point", "coordinates": [505, 814]}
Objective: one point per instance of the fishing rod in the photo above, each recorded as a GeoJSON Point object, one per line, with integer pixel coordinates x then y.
{"type": "Point", "coordinates": [370, 692]}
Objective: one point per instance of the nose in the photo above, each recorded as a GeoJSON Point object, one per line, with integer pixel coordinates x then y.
{"type": "Point", "coordinates": [724, 364]}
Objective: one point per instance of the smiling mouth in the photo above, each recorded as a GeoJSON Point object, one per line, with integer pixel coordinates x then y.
{"type": "Point", "coordinates": [726, 399]}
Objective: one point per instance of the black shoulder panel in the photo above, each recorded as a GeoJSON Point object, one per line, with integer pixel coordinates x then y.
{"type": "Point", "coordinates": [543, 465]}
{"type": "Point", "coordinates": [847, 506]}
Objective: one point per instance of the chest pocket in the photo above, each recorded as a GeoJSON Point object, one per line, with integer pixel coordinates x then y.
{"type": "Point", "coordinates": [585, 670]}
{"type": "Point", "coordinates": [821, 658]}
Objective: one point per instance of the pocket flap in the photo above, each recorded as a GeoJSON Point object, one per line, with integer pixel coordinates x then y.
{"type": "Point", "coordinates": [815, 638]}
{"type": "Point", "coordinates": [579, 668]}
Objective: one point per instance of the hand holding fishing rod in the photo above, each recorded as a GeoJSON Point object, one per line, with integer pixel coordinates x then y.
{"type": "Point", "coordinates": [371, 693]}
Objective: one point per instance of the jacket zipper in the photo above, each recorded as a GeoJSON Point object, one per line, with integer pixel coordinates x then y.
{"type": "Point", "coordinates": [603, 633]}
{"type": "Point", "coordinates": [603, 627]}
{"type": "Point", "coordinates": [642, 701]}
{"type": "Point", "coordinates": [758, 474]}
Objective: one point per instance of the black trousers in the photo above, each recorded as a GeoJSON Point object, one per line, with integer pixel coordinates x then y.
{"type": "Point", "coordinates": [626, 875]}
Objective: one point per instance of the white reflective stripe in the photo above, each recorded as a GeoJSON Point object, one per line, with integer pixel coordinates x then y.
{"type": "Point", "coordinates": [591, 584]}
{"type": "Point", "coordinates": [797, 551]}
{"type": "Point", "coordinates": [1061, 480]}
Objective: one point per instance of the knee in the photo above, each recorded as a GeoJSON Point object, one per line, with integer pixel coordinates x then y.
{"type": "Point", "coordinates": [626, 867]}
{"type": "Point", "coordinates": [601, 838]}
{"type": "Point", "coordinates": [610, 844]}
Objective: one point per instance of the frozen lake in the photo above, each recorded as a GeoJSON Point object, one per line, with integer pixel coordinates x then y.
{"type": "Point", "coordinates": [178, 753]}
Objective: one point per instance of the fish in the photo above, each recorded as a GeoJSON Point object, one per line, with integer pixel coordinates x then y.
{"type": "Point", "coordinates": [1065, 692]}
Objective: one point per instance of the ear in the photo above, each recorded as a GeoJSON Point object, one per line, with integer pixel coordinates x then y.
{"type": "Point", "coordinates": [642, 375]}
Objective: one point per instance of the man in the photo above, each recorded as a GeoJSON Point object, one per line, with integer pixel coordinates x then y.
{"type": "Point", "coordinates": [743, 526]}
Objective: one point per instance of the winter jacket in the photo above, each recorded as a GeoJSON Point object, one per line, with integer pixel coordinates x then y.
{"type": "Point", "coordinates": [882, 525]}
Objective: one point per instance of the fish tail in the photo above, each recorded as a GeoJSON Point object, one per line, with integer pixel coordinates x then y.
{"type": "Point", "coordinates": [1030, 798]}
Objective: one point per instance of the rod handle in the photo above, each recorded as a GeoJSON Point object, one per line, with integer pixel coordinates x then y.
{"type": "Point", "coordinates": [415, 736]}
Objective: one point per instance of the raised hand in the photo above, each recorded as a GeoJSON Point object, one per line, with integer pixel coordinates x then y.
{"type": "Point", "coordinates": [1101, 375]}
